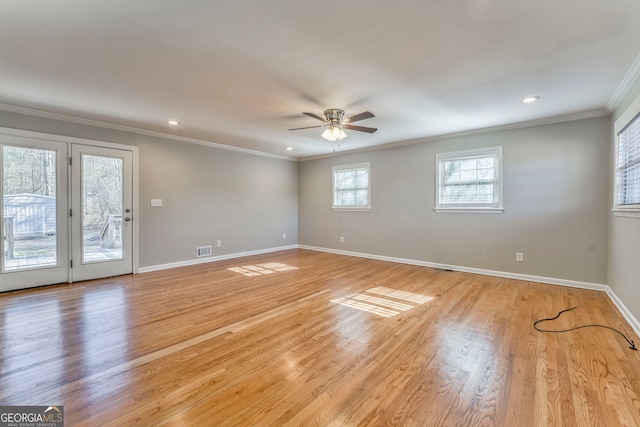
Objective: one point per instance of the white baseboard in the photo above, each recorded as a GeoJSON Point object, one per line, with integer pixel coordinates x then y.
{"type": "Point", "coordinates": [494, 273]}
{"type": "Point", "coordinates": [212, 259]}
{"type": "Point", "coordinates": [629, 317]}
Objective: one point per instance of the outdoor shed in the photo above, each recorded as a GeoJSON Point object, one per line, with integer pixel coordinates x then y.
{"type": "Point", "coordinates": [30, 213]}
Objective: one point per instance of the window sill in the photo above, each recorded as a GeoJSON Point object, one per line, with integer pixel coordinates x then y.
{"type": "Point", "coordinates": [626, 213]}
{"type": "Point", "coordinates": [470, 210]}
{"type": "Point", "coordinates": [353, 208]}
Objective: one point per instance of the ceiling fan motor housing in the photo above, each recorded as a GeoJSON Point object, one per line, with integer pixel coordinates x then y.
{"type": "Point", "coordinates": [334, 115]}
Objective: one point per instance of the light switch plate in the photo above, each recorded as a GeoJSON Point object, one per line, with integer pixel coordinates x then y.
{"type": "Point", "coordinates": [156, 202]}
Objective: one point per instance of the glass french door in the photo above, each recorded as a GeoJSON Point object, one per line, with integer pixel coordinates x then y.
{"type": "Point", "coordinates": [34, 221]}
{"type": "Point", "coordinates": [101, 212]}
{"type": "Point", "coordinates": [66, 212]}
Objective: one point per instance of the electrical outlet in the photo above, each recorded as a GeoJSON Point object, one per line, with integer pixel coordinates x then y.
{"type": "Point", "coordinates": [219, 243]}
{"type": "Point", "coordinates": [284, 235]}
{"type": "Point", "coordinates": [519, 256]}
{"type": "Point", "coordinates": [341, 239]}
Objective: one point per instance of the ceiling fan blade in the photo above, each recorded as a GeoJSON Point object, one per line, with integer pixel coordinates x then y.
{"type": "Point", "coordinates": [360, 128]}
{"type": "Point", "coordinates": [361, 116]}
{"type": "Point", "coordinates": [308, 127]}
{"type": "Point", "coordinates": [315, 116]}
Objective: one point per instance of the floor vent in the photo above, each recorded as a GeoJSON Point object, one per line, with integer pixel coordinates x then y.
{"type": "Point", "coordinates": [203, 251]}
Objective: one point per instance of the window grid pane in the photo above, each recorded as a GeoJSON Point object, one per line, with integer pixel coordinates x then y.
{"type": "Point", "coordinates": [351, 187]}
{"type": "Point", "coordinates": [628, 168]}
{"type": "Point", "coordinates": [469, 181]}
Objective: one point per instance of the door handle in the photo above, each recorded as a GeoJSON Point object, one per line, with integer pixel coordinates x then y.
{"type": "Point", "coordinates": [126, 218]}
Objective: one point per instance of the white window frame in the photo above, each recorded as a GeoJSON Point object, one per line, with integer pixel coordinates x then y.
{"type": "Point", "coordinates": [353, 166]}
{"type": "Point", "coordinates": [627, 117]}
{"type": "Point", "coordinates": [494, 207]}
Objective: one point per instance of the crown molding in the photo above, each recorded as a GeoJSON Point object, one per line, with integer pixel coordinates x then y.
{"type": "Point", "coordinates": [131, 129]}
{"type": "Point", "coordinates": [623, 88]}
{"type": "Point", "coordinates": [500, 128]}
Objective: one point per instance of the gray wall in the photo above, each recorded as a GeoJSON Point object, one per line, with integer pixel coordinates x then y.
{"type": "Point", "coordinates": [624, 239]}
{"type": "Point", "coordinates": [556, 192]}
{"type": "Point", "coordinates": [556, 203]}
{"type": "Point", "coordinates": [209, 194]}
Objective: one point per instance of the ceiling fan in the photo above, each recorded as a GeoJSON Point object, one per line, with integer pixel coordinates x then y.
{"type": "Point", "coordinates": [335, 124]}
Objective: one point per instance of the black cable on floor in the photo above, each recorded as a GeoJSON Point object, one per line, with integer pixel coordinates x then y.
{"type": "Point", "coordinates": [535, 325]}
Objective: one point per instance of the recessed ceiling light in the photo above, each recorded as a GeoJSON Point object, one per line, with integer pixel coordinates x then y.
{"type": "Point", "coordinates": [173, 123]}
{"type": "Point", "coordinates": [530, 99]}
{"type": "Point", "coordinates": [289, 148]}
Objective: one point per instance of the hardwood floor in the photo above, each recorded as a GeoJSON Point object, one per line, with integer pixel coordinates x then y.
{"type": "Point", "coordinates": [302, 338]}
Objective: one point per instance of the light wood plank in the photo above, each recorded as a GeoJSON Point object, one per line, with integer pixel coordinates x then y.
{"type": "Point", "coordinates": [208, 345]}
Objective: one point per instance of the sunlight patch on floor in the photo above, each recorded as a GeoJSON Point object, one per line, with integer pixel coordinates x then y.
{"type": "Point", "coordinates": [350, 301]}
{"type": "Point", "coordinates": [385, 302]}
{"type": "Point", "coordinates": [382, 306]}
{"type": "Point", "coordinates": [262, 269]}
{"type": "Point", "coordinates": [403, 295]}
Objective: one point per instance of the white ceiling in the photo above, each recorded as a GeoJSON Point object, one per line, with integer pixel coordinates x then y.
{"type": "Point", "coordinates": [240, 73]}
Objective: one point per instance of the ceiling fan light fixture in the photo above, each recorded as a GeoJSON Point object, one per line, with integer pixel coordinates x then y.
{"type": "Point", "coordinates": [334, 124]}
{"type": "Point", "coordinates": [334, 133]}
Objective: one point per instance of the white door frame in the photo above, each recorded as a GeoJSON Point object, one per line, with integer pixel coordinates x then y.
{"type": "Point", "coordinates": [46, 273]}
{"type": "Point", "coordinates": [44, 137]}
{"type": "Point", "coordinates": [88, 269]}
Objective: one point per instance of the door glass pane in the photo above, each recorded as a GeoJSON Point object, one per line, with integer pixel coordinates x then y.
{"type": "Point", "coordinates": [29, 222]}
{"type": "Point", "coordinates": [101, 208]}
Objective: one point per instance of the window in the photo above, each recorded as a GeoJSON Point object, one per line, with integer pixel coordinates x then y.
{"type": "Point", "coordinates": [628, 166]}
{"type": "Point", "coordinates": [469, 180]}
{"type": "Point", "coordinates": [351, 187]}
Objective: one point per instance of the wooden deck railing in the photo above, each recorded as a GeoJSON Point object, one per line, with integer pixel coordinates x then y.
{"type": "Point", "coordinates": [9, 237]}
{"type": "Point", "coordinates": [111, 232]}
